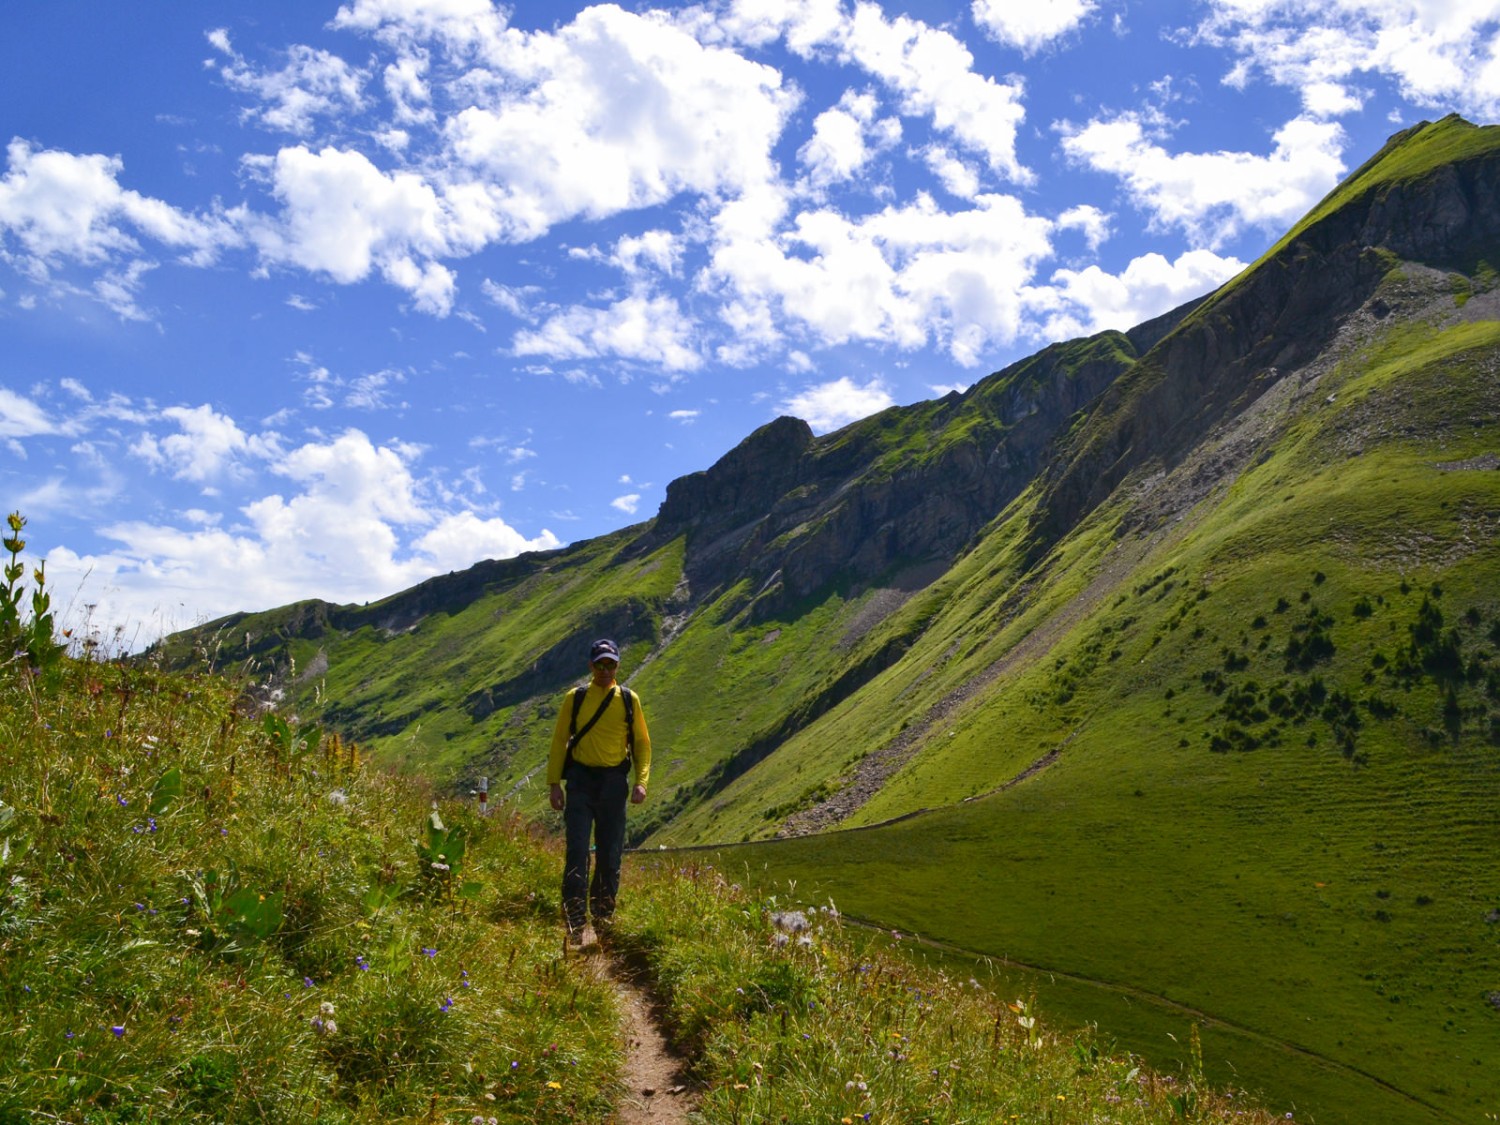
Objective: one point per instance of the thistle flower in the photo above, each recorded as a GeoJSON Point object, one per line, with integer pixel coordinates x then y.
{"type": "Point", "coordinates": [791, 921]}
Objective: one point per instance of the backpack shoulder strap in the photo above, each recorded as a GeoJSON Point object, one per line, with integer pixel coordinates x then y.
{"type": "Point", "coordinates": [578, 694]}
{"type": "Point", "coordinates": [629, 697]}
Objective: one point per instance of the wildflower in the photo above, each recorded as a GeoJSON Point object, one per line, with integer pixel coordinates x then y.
{"type": "Point", "coordinates": [429, 952]}
{"type": "Point", "coordinates": [67, 1035]}
{"type": "Point", "coordinates": [338, 797]}
{"type": "Point", "coordinates": [554, 1085]}
{"type": "Point", "coordinates": [360, 963]}
{"type": "Point", "coordinates": [118, 1030]}
{"type": "Point", "coordinates": [325, 1008]}
{"type": "Point", "coordinates": [440, 866]}
{"type": "Point", "coordinates": [514, 1065]}
{"type": "Point", "coordinates": [307, 982]}
{"type": "Point", "coordinates": [446, 1004]}
{"type": "Point", "coordinates": [122, 800]}
{"type": "Point", "coordinates": [792, 921]}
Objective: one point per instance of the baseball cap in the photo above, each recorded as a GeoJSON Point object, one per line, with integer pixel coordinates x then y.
{"type": "Point", "coordinates": [604, 650]}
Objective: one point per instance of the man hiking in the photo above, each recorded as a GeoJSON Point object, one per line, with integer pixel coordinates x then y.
{"type": "Point", "coordinates": [600, 733]}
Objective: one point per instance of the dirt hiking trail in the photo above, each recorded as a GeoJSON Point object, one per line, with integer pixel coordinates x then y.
{"type": "Point", "coordinates": [656, 1087]}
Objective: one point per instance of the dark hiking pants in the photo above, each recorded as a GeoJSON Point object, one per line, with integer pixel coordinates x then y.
{"type": "Point", "coordinates": [595, 807]}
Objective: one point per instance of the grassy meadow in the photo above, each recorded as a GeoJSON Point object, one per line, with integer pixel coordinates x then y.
{"type": "Point", "coordinates": [1275, 796]}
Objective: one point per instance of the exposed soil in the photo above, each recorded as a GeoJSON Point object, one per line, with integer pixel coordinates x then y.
{"type": "Point", "coordinates": [657, 1089]}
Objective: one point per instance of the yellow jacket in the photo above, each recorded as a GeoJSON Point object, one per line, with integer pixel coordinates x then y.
{"type": "Point", "coordinates": [604, 745]}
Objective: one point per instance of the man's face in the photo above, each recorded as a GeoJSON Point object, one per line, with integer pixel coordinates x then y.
{"type": "Point", "coordinates": [604, 672]}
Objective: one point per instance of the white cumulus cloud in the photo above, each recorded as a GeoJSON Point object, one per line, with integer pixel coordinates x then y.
{"type": "Point", "coordinates": [1092, 300]}
{"type": "Point", "coordinates": [639, 327]}
{"type": "Point", "coordinates": [1213, 196]}
{"type": "Point", "coordinates": [1032, 25]}
{"type": "Point", "coordinates": [1442, 54]}
{"type": "Point", "coordinates": [903, 276]}
{"type": "Point", "coordinates": [312, 84]}
{"type": "Point", "coordinates": [353, 524]}
{"type": "Point", "coordinates": [827, 406]}
{"type": "Point", "coordinates": [61, 205]}
{"type": "Point", "coordinates": [207, 446]}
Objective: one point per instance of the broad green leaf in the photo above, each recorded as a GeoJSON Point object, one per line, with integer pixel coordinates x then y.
{"type": "Point", "coordinates": [168, 789]}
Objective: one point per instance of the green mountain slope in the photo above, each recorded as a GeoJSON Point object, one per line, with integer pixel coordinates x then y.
{"type": "Point", "coordinates": [1189, 635]}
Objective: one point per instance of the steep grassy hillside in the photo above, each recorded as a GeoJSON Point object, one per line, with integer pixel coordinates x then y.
{"type": "Point", "coordinates": [1268, 755]}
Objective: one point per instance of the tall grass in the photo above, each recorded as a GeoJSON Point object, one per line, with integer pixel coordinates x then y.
{"type": "Point", "coordinates": [205, 918]}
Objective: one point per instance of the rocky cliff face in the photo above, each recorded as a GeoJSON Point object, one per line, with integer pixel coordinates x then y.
{"type": "Point", "coordinates": [1279, 316]}
{"type": "Point", "coordinates": [793, 512]}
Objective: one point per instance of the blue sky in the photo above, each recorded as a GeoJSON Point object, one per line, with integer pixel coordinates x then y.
{"type": "Point", "coordinates": [308, 299]}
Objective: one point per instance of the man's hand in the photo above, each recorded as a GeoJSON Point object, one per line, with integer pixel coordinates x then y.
{"type": "Point", "coordinates": [638, 794]}
{"type": "Point", "coordinates": [556, 796]}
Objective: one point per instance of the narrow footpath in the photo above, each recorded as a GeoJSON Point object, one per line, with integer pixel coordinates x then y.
{"type": "Point", "coordinates": [657, 1090]}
